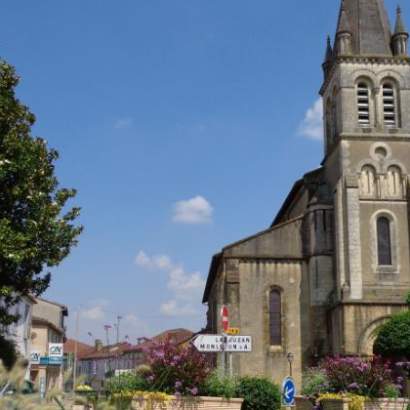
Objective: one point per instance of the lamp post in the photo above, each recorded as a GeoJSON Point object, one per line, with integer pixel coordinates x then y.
{"type": "Point", "coordinates": [290, 356]}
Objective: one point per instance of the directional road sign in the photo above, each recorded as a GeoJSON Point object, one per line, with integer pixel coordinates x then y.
{"type": "Point", "coordinates": [288, 392]}
{"type": "Point", "coordinates": [221, 343]}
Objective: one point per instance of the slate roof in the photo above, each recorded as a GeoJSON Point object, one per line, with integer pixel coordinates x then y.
{"type": "Point", "coordinates": [369, 25]}
{"type": "Point", "coordinates": [400, 27]}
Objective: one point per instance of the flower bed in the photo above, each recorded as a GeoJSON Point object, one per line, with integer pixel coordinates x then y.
{"type": "Point", "coordinates": [198, 403]}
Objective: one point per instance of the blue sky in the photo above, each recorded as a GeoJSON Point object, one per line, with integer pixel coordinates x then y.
{"type": "Point", "coordinates": [183, 126]}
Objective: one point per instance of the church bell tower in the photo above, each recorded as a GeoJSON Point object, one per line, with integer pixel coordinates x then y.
{"type": "Point", "coordinates": [366, 99]}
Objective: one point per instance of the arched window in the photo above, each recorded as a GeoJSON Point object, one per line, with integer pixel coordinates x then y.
{"type": "Point", "coordinates": [363, 104]}
{"type": "Point", "coordinates": [275, 317]}
{"type": "Point", "coordinates": [389, 106]}
{"type": "Point", "coordinates": [368, 181]}
{"type": "Point", "coordinates": [394, 182]}
{"type": "Point", "coordinates": [384, 246]}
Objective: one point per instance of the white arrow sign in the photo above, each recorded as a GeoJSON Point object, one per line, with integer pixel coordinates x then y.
{"type": "Point", "coordinates": [220, 343]}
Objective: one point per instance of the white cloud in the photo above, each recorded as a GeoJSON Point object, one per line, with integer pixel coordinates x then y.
{"type": "Point", "coordinates": [172, 308]}
{"type": "Point", "coordinates": [196, 210]}
{"type": "Point", "coordinates": [101, 312]}
{"type": "Point", "coordinates": [162, 262]}
{"type": "Point", "coordinates": [186, 287]}
{"type": "Point", "coordinates": [123, 123]}
{"type": "Point", "coordinates": [312, 125]}
{"type": "Point", "coordinates": [183, 284]}
{"type": "Point", "coordinates": [143, 260]}
{"type": "Point", "coordinates": [93, 313]}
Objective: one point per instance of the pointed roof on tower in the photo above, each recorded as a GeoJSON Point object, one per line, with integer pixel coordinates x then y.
{"type": "Point", "coordinates": [369, 25]}
{"type": "Point", "coordinates": [329, 50]}
{"type": "Point", "coordinates": [344, 24]}
{"type": "Point", "coordinates": [400, 27]}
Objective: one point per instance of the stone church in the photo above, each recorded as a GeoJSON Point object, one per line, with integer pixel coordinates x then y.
{"type": "Point", "coordinates": [335, 263]}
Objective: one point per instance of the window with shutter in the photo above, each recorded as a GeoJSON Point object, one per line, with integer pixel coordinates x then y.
{"type": "Point", "coordinates": [275, 317]}
{"type": "Point", "coordinates": [363, 104]}
{"type": "Point", "coordinates": [384, 241]}
{"type": "Point", "coordinates": [389, 106]}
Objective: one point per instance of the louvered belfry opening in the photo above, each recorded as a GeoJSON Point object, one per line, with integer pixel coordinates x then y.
{"type": "Point", "coordinates": [363, 104]}
{"type": "Point", "coordinates": [275, 317]}
{"type": "Point", "coordinates": [389, 109]}
{"type": "Point", "coordinates": [384, 241]}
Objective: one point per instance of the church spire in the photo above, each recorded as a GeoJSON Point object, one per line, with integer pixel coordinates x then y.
{"type": "Point", "coordinates": [327, 63]}
{"type": "Point", "coordinates": [343, 43]}
{"type": "Point", "coordinates": [400, 36]}
{"type": "Point", "coordinates": [400, 27]}
{"type": "Point", "coordinates": [344, 24]}
{"type": "Point", "coordinates": [367, 23]}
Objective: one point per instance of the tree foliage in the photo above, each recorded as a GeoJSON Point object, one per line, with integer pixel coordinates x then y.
{"type": "Point", "coordinates": [393, 339]}
{"type": "Point", "coordinates": [37, 231]}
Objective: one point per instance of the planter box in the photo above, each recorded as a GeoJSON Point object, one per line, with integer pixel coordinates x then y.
{"type": "Point", "coordinates": [302, 403]}
{"type": "Point", "coordinates": [200, 403]}
{"type": "Point", "coordinates": [377, 404]}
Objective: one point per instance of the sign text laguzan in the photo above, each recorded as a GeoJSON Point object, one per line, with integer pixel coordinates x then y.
{"type": "Point", "coordinates": [221, 343]}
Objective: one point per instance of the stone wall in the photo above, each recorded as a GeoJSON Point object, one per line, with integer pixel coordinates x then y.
{"type": "Point", "coordinates": [379, 404]}
{"type": "Point", "coordinates": [202, 403]}
{"type": "Point", "coordinates": [257, 278]}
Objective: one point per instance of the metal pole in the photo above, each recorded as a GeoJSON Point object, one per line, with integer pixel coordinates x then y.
{"type": "Point", "coordinates": [77, 331]}
{"type": "Point", "coordinates": [230, 364]}
{"type": "Point", "coordinates": [118, 328]}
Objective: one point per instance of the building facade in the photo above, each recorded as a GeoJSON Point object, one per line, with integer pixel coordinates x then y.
{"type": "Point", "coordinates": [47, 339]}
{"type": "Point", "coordinates": [20, 331]}
{"type": "Point", "coordinates": [335, 263]}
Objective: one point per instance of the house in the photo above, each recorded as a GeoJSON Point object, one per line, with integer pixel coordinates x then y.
{"type": "Point", "coordinates": [335, 263]}
{"type": "Point", "coordinates": [47, 340]}
{"type": "Point", "coordinates": [105, 361]}
{"type": "Point", "coordinates": [19, 332]}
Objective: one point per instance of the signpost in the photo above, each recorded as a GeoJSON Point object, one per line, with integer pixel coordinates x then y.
{"type": "Point", "coordinates": [230, 341]}
{"type": "Point", "coordinates": [221, 343]}
{"type": "Point", "coordinates": [55, 353]}
{"type": "Point", "coordinates": [288, 392]}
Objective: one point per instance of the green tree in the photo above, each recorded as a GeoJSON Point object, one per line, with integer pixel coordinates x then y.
{"type": "Point", "coordinates": [393, 338]}
{"type": "Point", "coordinates": [37, 231]}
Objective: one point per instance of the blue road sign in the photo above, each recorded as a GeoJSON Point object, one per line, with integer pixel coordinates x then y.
{"type": "Point", "coordinates": [288, 392]}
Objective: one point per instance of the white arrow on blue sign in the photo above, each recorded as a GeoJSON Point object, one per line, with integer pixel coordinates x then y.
{"type": "Point", "coordinates": [288, 392]}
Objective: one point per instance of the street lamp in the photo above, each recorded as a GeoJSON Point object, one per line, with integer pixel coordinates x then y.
{"type": "Point", "coordinates": [291, 358]}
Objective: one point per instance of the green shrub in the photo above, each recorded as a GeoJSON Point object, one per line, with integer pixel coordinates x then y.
{"type": "Point", "coordinates": [393, 338]}
{"type": "Point", "coordinates": [259, 394]}
{"type": "Point", "coordinates": [126, 383]}
{"type": "Point", "coordinates": [216, 386]}
{"type": "Point", "coordinates": [408, 299]}
{"type": "Point", "coordinates": [391, 391]}
{"type": "Point", "coordinates": [315, 383]}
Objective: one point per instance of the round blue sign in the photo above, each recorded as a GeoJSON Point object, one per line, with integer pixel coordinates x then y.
{"type": "Point", "coordinates": [288, 392]}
